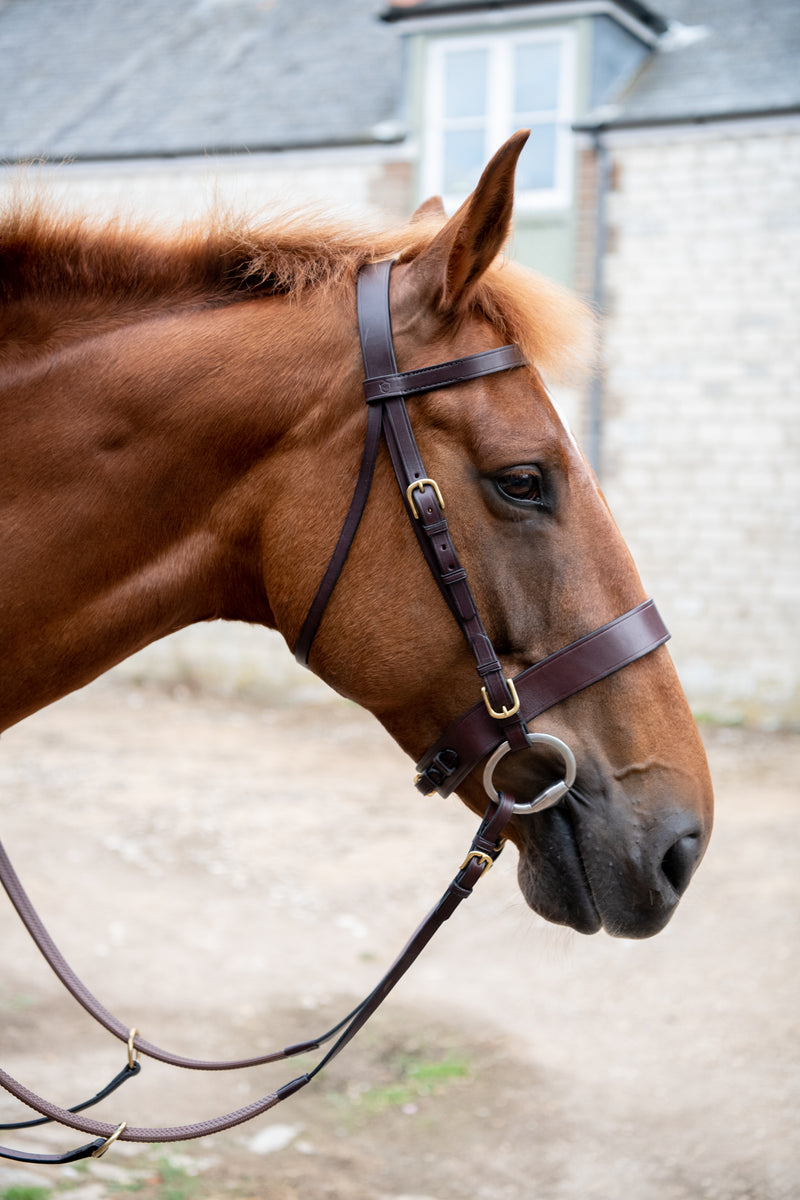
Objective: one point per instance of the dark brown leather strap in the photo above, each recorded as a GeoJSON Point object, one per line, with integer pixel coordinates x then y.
{"type": "Point", "coordinates": [486, 846]}
{"type": "Point", "coordinates": [61, 968]}
{"type": "Point", "coordinates": [55, 1160]}
{"type": "Point", "coordinates": [575, 667]}
{"type": "Point", "coordinates": [420, 494]}
{"type": "Point", "coordinates": [386, 388]}
{"type": "Point", "coordinates": [458, 370]}
{"type": "Point", "coordinates": [315, 613]}
{"type": "Point", "coordinates": [484, 850]}
{"type": "Point", "coordinates": [129, 1071]}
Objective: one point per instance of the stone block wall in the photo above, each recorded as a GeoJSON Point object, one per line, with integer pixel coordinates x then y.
{"type": "Point", "coordinates": [701, 449]}
{"type": "Point", "coordinates": [360, 182]}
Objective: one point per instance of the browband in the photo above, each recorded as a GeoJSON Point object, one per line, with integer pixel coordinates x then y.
{"type": "Point", "coordinates": [457, 370]}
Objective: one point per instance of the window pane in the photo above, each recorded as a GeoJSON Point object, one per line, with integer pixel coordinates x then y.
{"type": "Point", "coordinates": [465, 83]}
{"type": "Point", "coordinates": [537, 163]}
{"type": "Point", "coordinates": [535, 76]}
{"type": "Point", "coordinates": [463, 160]}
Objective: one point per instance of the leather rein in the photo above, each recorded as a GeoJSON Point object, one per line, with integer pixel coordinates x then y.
{"type": "Point", "coordinates": [493, 728]}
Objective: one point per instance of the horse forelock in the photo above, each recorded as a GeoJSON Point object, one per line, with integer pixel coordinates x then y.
{"type": "Point", "coordinates": [55, 264]}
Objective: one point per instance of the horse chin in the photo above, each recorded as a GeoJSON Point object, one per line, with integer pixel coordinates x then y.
{"type": "Point", "coordinates": [562, 881]}
{"type": "Point", "coordinates": [551, 874]}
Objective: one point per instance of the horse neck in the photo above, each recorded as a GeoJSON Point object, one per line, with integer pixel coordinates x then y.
{"type": "Point", "coordinates": [135, 462]}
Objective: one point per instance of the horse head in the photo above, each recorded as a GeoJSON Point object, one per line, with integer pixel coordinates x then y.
{"type": "Point", "coordinates": [547, 565]}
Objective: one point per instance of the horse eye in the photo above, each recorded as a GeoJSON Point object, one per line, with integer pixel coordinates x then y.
{"type": "Point", "coordinates": [523, 484]}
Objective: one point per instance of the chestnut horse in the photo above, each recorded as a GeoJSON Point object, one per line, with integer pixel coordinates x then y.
{"type": "Point", "coordinates": [183, 419]}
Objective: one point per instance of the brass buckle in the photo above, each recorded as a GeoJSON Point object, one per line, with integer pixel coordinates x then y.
{"type": "Point", "coordinates": [504, 712]}
{"type": "Point", "coordinates": [478, 854]}
{"type": "Point", "coordinates": [420, 483]}
{"type": "Point", "coordinates": [133, 1053]}
{"type": "Point", "coordinates": [109, 1142]}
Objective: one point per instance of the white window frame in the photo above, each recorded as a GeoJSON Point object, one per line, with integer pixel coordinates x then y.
{"type": "Point", "coordinates": [500, 47]}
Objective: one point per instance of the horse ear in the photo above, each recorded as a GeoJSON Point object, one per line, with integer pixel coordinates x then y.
{"type": "Point", "coordinates": [445, 273]}
{"type": "Point", "coordinates": [432, 207]}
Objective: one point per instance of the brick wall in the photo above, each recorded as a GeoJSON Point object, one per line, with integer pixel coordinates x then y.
{"type": "Point", "coordinates": [586, 180]}
{"type": "Point", "coordinates": [701, 450]}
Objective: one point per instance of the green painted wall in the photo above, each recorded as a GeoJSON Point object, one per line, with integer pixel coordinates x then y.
{"type": "Point", "coordinates": [545, 239]}
{"type": "Point", "coordinates": [545, 245]}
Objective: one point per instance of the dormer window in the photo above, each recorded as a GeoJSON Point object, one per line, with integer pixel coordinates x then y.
{"type": "Point", "coordinates": [483, 87]}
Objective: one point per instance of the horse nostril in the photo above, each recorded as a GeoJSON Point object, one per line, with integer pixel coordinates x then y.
{"type": "Point", "coordinates": [680, 861]}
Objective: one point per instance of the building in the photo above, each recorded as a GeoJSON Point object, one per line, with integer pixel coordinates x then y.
{"type": "Point", "coordinates": [661, 180]}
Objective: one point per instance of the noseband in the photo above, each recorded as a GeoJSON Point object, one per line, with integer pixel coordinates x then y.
{"type": "Point", "coordinates": [493, 728]}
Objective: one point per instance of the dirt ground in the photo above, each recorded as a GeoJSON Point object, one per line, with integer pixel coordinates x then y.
{"type": "Point", "coordinates": [230, 877]}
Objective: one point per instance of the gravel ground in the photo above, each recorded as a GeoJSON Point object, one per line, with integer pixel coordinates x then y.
{"type": "Point", "coordinates": [230, 877]}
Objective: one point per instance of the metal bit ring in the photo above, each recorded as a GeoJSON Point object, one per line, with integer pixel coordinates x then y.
{"type": "Point", "coordinates": [552, 794]}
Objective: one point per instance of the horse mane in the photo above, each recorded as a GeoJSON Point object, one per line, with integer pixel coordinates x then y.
{"type": "Point", "coordinates": [59, 268]}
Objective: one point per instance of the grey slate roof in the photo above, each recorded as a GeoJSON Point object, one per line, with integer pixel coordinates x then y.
{"type": "Point", "coordinates": [745, 59]}
{"type": "Point", "coordinates": [718, 57]}
{"type": "Point", "coordinates": [403, 10]}
{"type": "Point", "coordinates": [108, 78]}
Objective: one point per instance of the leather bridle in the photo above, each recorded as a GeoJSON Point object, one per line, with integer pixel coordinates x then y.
{"type": "Point", "coordinates": [493, 727]}
{"type": "Point", "coordinates": [501, 720]}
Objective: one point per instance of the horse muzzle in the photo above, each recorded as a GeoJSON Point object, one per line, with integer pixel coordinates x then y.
{"type": "Point", "coordinates": [609, 860]}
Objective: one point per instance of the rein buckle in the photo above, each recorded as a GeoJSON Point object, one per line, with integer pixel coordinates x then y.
{"type": "Point", "coordinates": [109, 1142]}
{"type": "Point", "coordinates": [133, 1053]}
{"type": "Point", "coordinates": [486, 859]}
